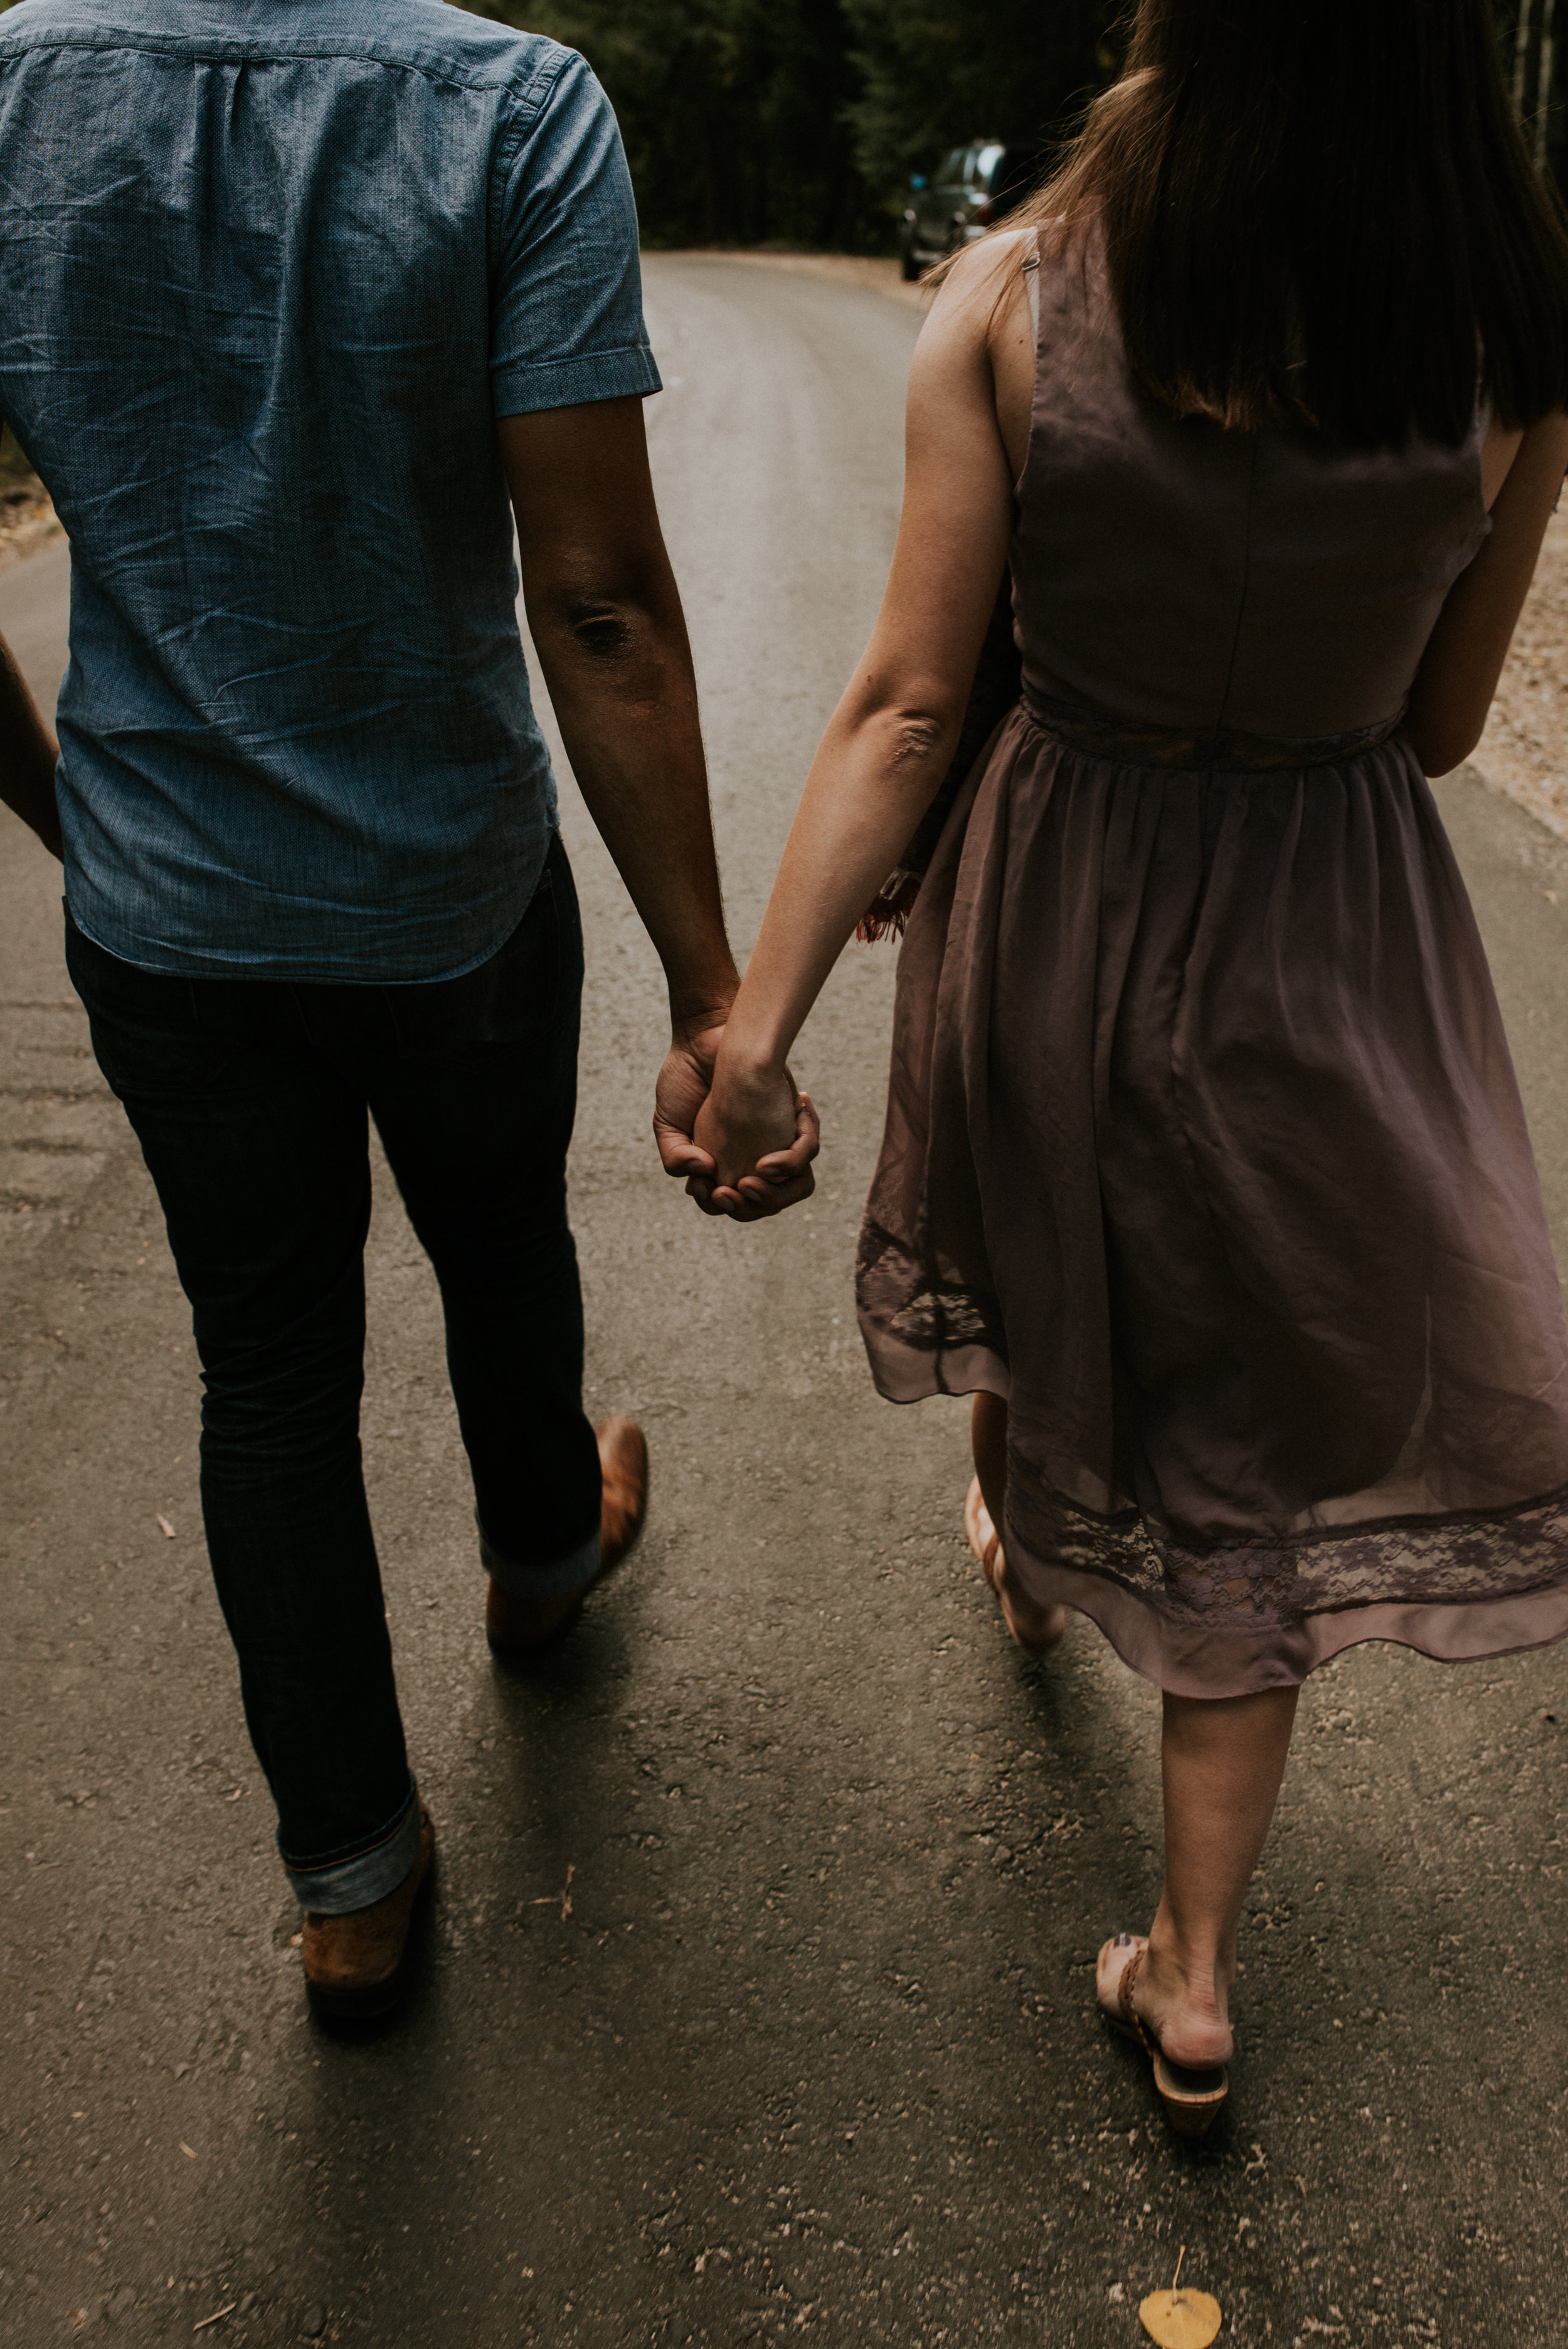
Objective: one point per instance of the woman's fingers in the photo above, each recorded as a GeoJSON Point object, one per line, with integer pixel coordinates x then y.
{"type": "Point", "coordinates": [731, 1130]}
{"type": "Point", "coordinates": [785, 1166]}
{"type": "Point", "coordinates": [783, 1177]}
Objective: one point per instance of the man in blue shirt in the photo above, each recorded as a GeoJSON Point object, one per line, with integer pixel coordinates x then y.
{"type": "Point", "coordinates": [301, 302]}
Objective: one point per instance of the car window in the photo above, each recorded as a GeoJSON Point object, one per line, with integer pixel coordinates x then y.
{"type": "Point", "coordinates": [950, 173]}
{"type": "Point", "coordinates": [987, 164]}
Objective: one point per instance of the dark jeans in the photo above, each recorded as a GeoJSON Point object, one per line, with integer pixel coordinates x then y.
{"type": "Point", "coordinates": [249, 1098]}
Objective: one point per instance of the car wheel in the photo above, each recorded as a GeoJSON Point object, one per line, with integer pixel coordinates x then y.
{"type": "Point", "coordinates": [909, 264]}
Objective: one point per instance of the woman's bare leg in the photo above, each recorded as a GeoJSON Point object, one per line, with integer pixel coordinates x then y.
{"type": "Point", "coordinates": [1223, 1759]}
{"type": "Point", "coordinates": [989, 1442]}
{"type": "Point", "coordinates": [1030, 1623]}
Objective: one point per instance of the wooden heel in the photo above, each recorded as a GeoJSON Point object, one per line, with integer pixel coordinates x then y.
{"type": "Point", "coordinates": [1189, 2098]}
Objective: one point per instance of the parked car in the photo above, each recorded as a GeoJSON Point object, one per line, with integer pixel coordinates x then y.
{"type": "Point", "coordinates": [972, 188]}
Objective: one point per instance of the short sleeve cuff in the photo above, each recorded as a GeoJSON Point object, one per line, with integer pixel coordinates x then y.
{"type": "Point", "coordinates": [575, 382]}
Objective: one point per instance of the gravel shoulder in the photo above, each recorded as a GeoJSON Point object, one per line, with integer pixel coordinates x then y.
{"type": "Point", "coordinates": [27, 521]}
{"type": "Point", "coordinates": [873, 273]}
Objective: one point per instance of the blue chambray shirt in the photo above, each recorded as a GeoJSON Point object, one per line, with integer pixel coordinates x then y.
{"type": "Point", "coordinates": [269, 270]}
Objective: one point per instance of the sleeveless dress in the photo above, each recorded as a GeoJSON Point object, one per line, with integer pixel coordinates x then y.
{"type": "Point", "coordinates": [1203, 1147]}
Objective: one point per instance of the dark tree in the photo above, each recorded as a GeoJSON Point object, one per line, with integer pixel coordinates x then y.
{"type": "Point", "coordinates": [938, 73]}
{"type": "Point", "coordinates": [799, 122]}
{"type": "Point", "coordinates": [735, 113]}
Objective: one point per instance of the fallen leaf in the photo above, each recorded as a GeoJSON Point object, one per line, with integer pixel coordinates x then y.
{"type": "Point", "coordinates": [1180, 2319]}
{"type": "Point", "coordinates": [166, 1528]}
{"type": "Point", "coordinates": [548, 1899]}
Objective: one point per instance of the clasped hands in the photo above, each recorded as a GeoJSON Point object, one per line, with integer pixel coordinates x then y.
{"type": "Point", "coordinates": [743, 1138]}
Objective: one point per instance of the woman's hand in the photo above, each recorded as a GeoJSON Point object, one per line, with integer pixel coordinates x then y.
{"type": "Point", "coordinates": [761, 1136]}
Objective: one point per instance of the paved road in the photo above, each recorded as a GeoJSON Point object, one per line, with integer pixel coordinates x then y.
{"type": "Point", "coordinates": [758, 1998]}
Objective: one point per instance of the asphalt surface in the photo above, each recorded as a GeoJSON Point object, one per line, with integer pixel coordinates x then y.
{"type": "Point", "coordinates": [757, 1997]}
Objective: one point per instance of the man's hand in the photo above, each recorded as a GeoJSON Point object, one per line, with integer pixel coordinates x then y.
{"type": "Point", "coordinates": [684, 1084]}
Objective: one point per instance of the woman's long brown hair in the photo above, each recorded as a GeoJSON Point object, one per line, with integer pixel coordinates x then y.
{"type": "Point", "coordinates": [1323, 211]}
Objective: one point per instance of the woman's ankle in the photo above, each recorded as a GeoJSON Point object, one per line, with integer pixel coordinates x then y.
{"type": "Point", "coordinates": [1186, 1996]}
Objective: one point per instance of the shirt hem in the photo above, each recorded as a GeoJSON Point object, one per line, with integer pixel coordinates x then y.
{"type": "Point", "coordinates": [573, 383]}
{"type": "Point", "coordinates": [284, 971]}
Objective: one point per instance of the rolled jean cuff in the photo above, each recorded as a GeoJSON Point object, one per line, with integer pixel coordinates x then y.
{"type": "Point", "coordinates": [558, 1577]}
{"type": "Point", "coordinates": [369, 1876]}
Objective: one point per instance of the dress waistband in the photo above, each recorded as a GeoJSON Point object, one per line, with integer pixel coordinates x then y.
{"type": "Point", "coordinates": [1131, 745]}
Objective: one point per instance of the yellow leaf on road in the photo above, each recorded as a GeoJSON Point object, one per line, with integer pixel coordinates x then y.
{"type": "Point", "coordinates": [1180, 2319]}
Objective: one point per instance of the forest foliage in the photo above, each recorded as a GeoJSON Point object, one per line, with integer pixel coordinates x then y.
{"type": "Point", "coordinates": [799, 122]}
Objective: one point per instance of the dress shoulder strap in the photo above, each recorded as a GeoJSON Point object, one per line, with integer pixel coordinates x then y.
{"type": "Point", "coordinates": [1032, 272]}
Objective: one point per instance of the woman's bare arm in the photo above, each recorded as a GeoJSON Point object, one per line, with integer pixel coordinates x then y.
{"type": "Point", "coordinates": [1464, 657]}
{"type": "Point", "coordinates": [892, 738]}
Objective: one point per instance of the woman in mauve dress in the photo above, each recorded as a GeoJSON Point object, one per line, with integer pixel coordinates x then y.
{"type": "Point", "coordinates": [1204, 1169]}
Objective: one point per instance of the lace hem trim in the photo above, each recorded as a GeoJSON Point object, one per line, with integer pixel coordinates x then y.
{"type": "Point", "coordinates": [932, 1317]}
{"type": "Point", "coordinates": [1441, 1557]}
{"type": "Point", "coordinates": [1453, 1558]}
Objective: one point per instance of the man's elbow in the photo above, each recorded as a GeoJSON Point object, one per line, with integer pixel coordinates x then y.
{"type": "Point", "coordinates": [604, 605]}
{"type": "Point", "coordinates": [603, 629]}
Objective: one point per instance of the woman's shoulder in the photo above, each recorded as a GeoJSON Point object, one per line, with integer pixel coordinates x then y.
{"type": "Point", "coordinates": [982, 288]}
{"type": "Point", "coordinates": [983, 270]}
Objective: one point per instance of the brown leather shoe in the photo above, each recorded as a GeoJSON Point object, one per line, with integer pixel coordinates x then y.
{"type": "Point", "coordinates": [520, 1631]}
{"type": "Point", "coordinates": [356, 1966]}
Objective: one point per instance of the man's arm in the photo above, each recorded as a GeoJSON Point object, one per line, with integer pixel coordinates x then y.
{"type": "Point", "coordinates": [606, 615]}
{"type": "Point", "coordinates": [28, 756]}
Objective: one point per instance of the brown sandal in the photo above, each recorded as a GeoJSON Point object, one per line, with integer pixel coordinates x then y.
{"type": "Point", "coordinates": [986, 1544]}
{"type": "Point", "coordinates": [1191, 2096]}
